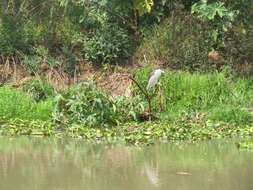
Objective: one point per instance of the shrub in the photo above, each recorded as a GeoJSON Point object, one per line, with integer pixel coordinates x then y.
{"type": "Point", "coordinates": [171, 44]}
{"type": "Point", "coordinates": [130, 108]}
{"type": "Point", "coordinates": [86, 105]}
{"type": "Point", "coordinates": [39, 90]}
{"type": "Point", "coordinates": [11, 38]}
{"type": "Point", "coordinates": [109, 44]}
{"type": "Point", "coordinates": [69, 62]}
{"type": "Point", "coordinates": [40, 56]}
{"type": "Point", "coordinates": [238, 49]}
{"type": "Point", "coordinates": [183, 41]}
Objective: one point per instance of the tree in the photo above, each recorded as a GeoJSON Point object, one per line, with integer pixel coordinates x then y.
{"type": "Point", "coordinates": [126, 12]}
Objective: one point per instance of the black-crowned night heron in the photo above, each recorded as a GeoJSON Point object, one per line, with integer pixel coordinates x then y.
{"type": "Point", "coordinates": [154, 78]}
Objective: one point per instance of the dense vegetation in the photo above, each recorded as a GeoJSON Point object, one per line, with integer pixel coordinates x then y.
{"type": "Point", "coordinates": [176, 33]}
{"type": "Point", "coordinates": [186, 110]}
{"type": "Point", "coordinates": [205, 47]}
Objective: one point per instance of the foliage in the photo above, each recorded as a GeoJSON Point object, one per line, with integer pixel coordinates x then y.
{"type": "Point", "coordinates": [239, 46]}
{"type": "Point", "coordinates": [17, 31]}
{"type": "Point", "coordinates": [215, 25]}
{"type": "Point", "coordinates": [215, 10]}
{"type": "Point", "coordinates": [230, 114]}
{"type": "Point", "coordinates": [106, 31]}
{"type": "Point", "coordinates": [221, 18]}
{"type": "Point", "coordinates": [16, 104]}
{"type": "Point", "coordinates": [244, 7]}
{"type": "Point", "coordinates": [86, 105]}
{"type": "Point", "coordinates": [39, 90]}
{"type": "Point", "coordinates": [17, 126]}
{"type": "Point", "coordinates": [130, 108]}
{"type": "Point", "coordinates": [161, 10]}
{"type": "Point", "coordinates": [69, 63]}
{"type": "Point", "coordinates": [41, 56]}
{"type": "Point", "coordinates": [246, 144]}
{"type": "Point", "coordinates": [183, 92]}
{"type": "Point", "coordinates": [108, 45]}
{"type": "Point", "coordinates": [145, 133]}
{"type": "Point", "coordinates": [10, 33]}
{"type": "Point", "coordinates": [171, 45]}
{"type": "Point", "coordinates": [142, 6]}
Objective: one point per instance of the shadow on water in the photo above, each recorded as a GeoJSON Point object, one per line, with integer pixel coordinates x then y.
{"type": "Point", "coordinates": [62, 164]}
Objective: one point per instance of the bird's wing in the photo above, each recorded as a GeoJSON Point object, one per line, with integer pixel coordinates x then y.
{"type": "Point", "coordinates": [152, 81]}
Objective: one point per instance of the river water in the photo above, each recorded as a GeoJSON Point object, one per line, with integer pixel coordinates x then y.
{"type": "Point", "coordinates": [65, 164]}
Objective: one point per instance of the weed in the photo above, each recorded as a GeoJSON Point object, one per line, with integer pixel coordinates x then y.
{"type": "Point", "coordinates": [184, 92]}
{"type": "Point", "coordinates": [230, 114]}
{"type": "Point", "coordinates": [41, 56]}
{"type": "Point", "coordinates": [39, 90]}
{"type": "Point", "coordinates": [246, 144]}
{"type": "Point", "coordinates": [86, 105]}
{"type": "Point", "coordinates": [16, 104]}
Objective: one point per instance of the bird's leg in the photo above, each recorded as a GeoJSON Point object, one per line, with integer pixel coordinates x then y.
{"type": "Point", "coordinates": [160, 96]}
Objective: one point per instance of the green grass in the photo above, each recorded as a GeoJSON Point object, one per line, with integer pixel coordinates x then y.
{"type": "Point", "coordinates": [216, 95]}
{"type": "Point", "coordinates": [16, 104]}
{"type": "Point", "coordinates": [222, 101]}
{"type": "Point", "coordinates": [230, 114]}
{"type": "Point", "coordinates": [185, 96]}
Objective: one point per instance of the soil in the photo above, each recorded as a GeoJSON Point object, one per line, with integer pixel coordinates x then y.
{"type": "Point", "coordinates": [115, 81]}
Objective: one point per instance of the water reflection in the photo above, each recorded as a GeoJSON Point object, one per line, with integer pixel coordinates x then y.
{"type": "Point", "coordinates": [44, 163]}
{"type": "Point", "coordinates": [152, 175]}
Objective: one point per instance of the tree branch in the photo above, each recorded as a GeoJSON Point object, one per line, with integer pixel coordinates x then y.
{"type": "Point", "coordinates": [148, 98]}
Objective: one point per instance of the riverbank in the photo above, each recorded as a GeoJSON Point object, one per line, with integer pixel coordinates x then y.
{"type": "Point", "coordinates": [187, 106]}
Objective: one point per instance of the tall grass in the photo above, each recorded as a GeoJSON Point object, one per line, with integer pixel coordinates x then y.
{"type": "Point", "coordinates": [217, 95]}
{"type": "Point", "coordinates": [16, 104]}
{"type": "Point", "coordinates": [198, 92]}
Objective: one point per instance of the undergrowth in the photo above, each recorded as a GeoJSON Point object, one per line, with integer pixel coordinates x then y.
{"type": "Point", "coordinates": [191, 106]}
{"type": "Point", "coordinates": [217, 96]}
{"type": "Point", "coordinates": [183, 97]}
{"type": "Point", "coordinates": [39, 90]}
{"type": "Point", "coordinates": [16, 104]}
{"type": "Point", "coordinates": [88, 106]}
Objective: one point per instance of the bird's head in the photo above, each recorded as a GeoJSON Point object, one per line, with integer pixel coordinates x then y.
{"type": "Point", "coordinates": [158, 71]}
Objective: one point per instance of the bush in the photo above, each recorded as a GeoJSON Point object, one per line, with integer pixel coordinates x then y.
{"type": "Point", "coordinates": [238, 49]}
{"type": "Point", "coordinates": [38, 90]}
{"type": "Point", "coordinates": [172, 45]}
{"type": "Point", "coordinates": [108, 45]}
{"type": "Point", "coordinates": [69, 62]}
{"type": "Point", "coordinates": [183, 41]}
{"type": "Point", "coordinates": [11, 37]}
{"type": "Point", "coordinates": [40, 56]}
{"type": "Point", "coordinates": [231, 30]}
{"type": "Point", "coordinates": [86, 105]}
